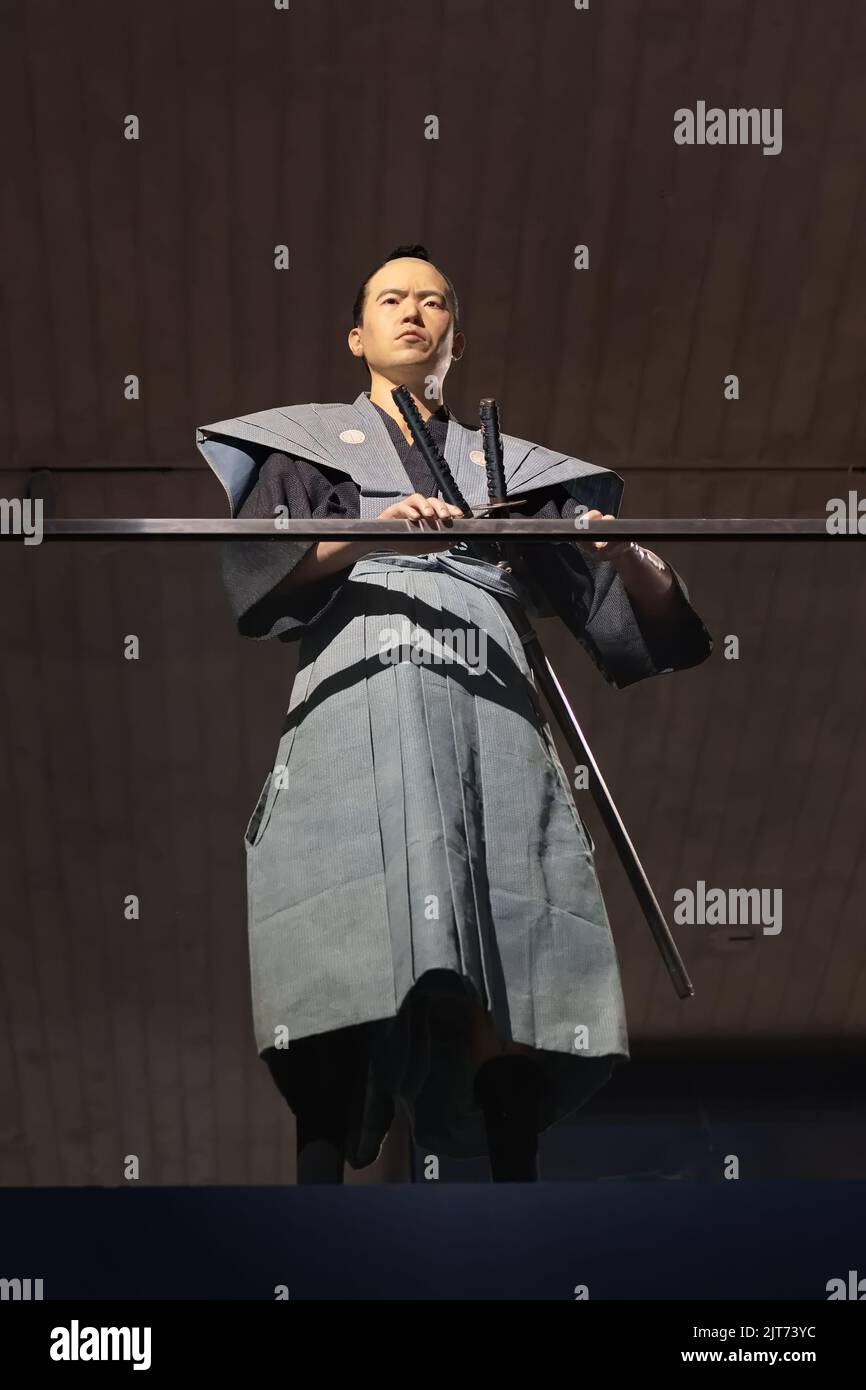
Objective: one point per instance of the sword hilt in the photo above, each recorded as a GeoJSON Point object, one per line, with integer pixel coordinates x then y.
{"type": "Point", "coordinates": [491, 439]}
{"type": "Point", "coordinates": [427, 447]}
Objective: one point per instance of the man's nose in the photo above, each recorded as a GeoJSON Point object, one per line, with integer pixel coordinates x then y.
{"type": "Point", "coordinates": [411, 309]}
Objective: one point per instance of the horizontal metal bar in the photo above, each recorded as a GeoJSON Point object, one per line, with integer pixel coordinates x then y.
{"type": "Point", "coordinates": [632, 528]}
{"type": "Point", "coordinates": [646, 463]}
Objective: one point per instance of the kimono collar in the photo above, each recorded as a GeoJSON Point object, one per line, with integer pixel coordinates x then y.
{"type": "Point", "coordinates": [437, 424]}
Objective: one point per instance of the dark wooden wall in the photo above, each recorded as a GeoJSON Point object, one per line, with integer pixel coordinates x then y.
{"type": "Point", "coordinates": [156, 257]}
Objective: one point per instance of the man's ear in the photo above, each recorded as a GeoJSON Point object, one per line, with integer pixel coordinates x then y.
{"type": "Point", "coordinates": [356, 347]}
{"type": "Point", "coordinates": [458, 347]}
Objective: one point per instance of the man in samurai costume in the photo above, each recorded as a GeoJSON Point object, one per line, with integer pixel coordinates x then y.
{"type": "Point", "coordinates": [426, 925]}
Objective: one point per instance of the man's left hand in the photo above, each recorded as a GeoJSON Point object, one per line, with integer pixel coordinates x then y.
{"type": "Point", "coordinates": [608, 550]}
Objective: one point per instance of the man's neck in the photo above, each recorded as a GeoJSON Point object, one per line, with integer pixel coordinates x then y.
{"type": "Point", "coordinates": [380, 394]}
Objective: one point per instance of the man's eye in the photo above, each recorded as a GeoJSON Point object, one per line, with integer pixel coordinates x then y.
{"type": "Point", "coordinates": [437, 303]}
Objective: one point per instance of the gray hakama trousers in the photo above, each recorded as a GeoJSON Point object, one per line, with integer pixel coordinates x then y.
{"type": "Point", "coordinates": [416, 845]}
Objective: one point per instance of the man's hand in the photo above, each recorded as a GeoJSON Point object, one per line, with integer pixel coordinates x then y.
{"type": "Point", "coordinates": [427, 513]}
{"type": "Point", "coordinates": [609, 550]}
{"type": "Point", "coordinates": [647, 579]}
{"type": "Point", "coordinates": [325, 558]}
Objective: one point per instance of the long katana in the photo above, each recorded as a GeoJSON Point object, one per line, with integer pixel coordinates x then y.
{"type": "Point", "coordinates": [545, 675]}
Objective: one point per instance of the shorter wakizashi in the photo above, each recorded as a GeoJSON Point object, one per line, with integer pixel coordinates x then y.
{"type": "Point", "coordinates": [426, 925]}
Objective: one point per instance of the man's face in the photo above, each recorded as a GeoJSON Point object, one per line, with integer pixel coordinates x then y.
{"type": "Point", "coordinates": [407, 332]}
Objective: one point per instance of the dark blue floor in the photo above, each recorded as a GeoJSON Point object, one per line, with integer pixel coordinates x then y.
{"type": "Point", "coordinates": [621, 1240]}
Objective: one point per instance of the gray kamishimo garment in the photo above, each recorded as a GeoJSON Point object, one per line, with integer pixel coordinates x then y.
{"type": "Point", "coordinates": [416, 843]}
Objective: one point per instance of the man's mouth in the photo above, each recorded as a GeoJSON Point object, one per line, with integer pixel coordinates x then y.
{"type": "Point", "coordinates": [411, 333]}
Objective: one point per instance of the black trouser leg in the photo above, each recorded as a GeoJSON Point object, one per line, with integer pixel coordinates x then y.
{"type": "Point", "coordinates": [318, 1076]}
{"type": "Point", "coordinates": [508, 1089]}
{"type": "Point", "coordinates": [321, 1151]}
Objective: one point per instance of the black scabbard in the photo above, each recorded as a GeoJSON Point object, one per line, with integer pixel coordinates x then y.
{"type": "Point", "coordinates": [545, 676]}
{"type": "Point", "coordinates": [554, 694]}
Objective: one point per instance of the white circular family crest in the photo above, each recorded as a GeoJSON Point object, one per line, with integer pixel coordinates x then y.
{"type": "Point", "coordinates": [353, 436]}
{"type": "Point", "coordinates": [477, 455]}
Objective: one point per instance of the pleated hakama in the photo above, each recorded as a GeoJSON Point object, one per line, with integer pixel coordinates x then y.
{"type": "Point", "coordinates": [417, 845]}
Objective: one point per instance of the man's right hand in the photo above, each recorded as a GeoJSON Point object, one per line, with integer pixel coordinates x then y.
{"type": "Point", "coordinates": [324, 558]}
{"type": "Point", "coordinates": [427, 513]}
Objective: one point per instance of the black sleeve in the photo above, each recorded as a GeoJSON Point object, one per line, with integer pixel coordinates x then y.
{"type": "Point", "coordinates": [251, 569]}
{"type": "Point", "coordinates": [589, 595]}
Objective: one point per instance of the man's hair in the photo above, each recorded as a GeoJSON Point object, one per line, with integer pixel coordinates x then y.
{"type": "Point", "coordinates": [419, 253]}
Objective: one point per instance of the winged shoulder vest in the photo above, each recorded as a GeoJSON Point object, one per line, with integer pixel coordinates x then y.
{"type": "Point", "coordinates": [584, 591]}
{"type": "Point", "coordinates": [352, 440]}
